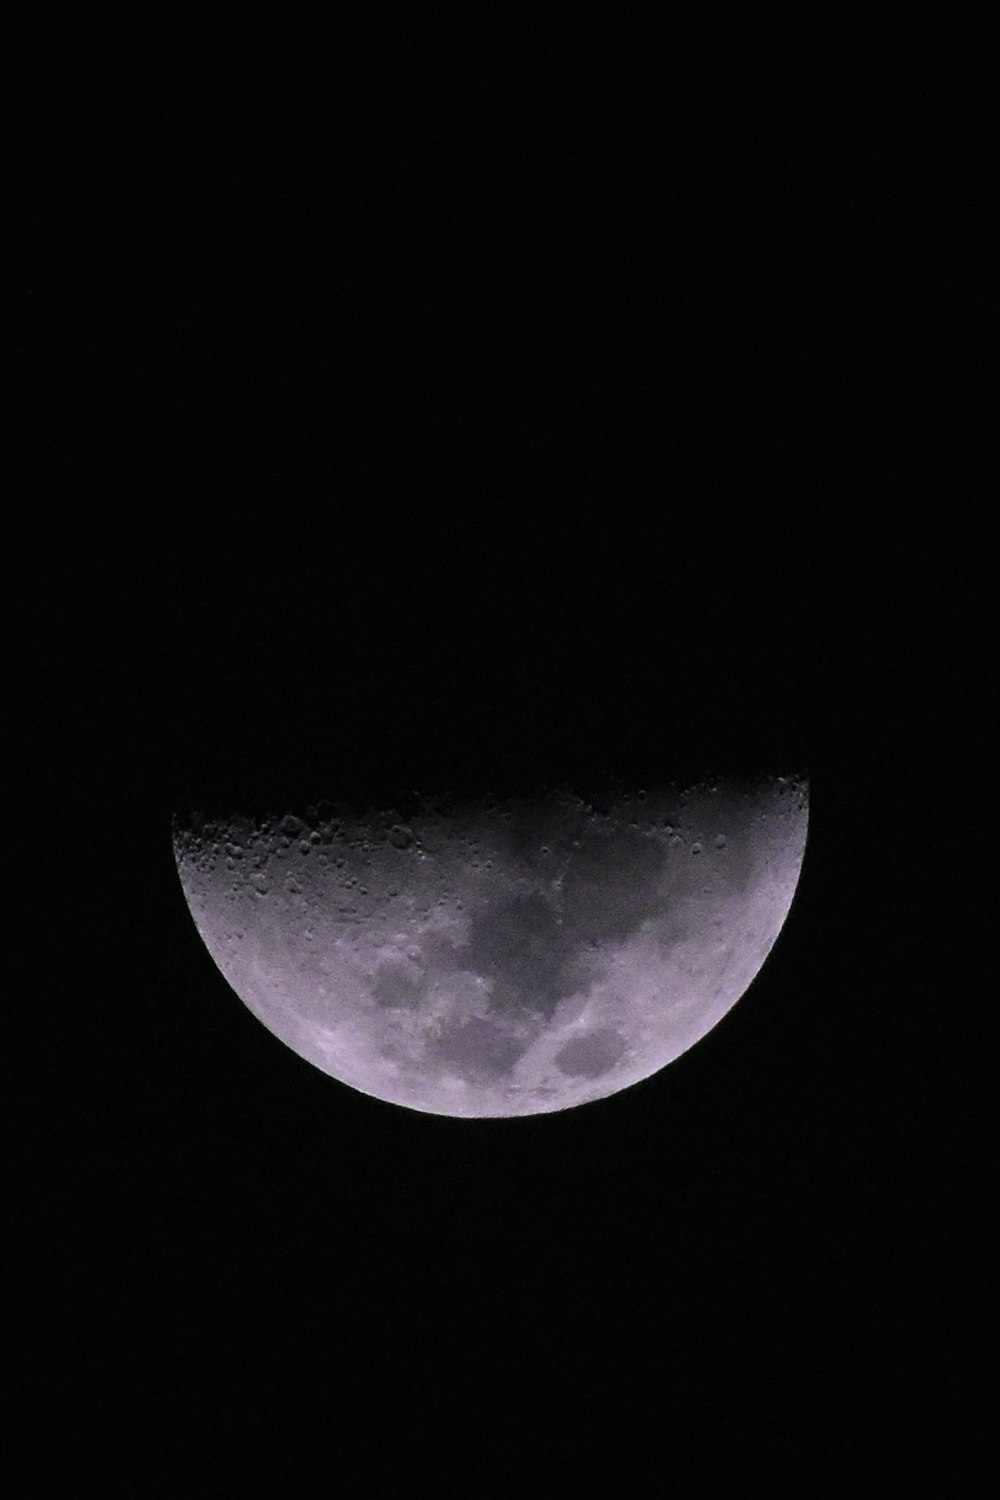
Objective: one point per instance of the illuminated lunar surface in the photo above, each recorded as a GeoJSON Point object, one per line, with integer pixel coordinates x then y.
{"type": "Point", "coordinates": [500, 958]}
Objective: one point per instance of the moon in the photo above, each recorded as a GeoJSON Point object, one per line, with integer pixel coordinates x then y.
{"type": "Point", "coordinates": [500, 956]}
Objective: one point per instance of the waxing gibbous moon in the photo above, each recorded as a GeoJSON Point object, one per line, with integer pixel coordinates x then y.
{"type": "Point", "coordinates": [499, 957]}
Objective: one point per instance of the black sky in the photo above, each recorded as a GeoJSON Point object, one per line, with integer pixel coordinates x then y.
{"type": "Point", "coordinates": [449, 404]}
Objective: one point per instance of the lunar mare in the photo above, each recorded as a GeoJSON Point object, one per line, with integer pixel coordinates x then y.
{"type": "Point", "coordinates": [502, 957]}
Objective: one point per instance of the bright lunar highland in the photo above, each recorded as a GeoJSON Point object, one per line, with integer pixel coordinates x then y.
{"type": "Point", "coordinates": [498, 957]}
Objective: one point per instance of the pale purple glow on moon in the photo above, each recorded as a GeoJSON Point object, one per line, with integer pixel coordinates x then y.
{"type": "Point", "coordinates": [506, 957]}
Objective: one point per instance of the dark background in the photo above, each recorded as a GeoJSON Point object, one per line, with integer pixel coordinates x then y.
{"type": "Point", "coordinates": [451, 403]}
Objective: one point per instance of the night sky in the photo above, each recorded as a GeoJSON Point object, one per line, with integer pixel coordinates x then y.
{"type": "Point", "coordinates": [456, 404]}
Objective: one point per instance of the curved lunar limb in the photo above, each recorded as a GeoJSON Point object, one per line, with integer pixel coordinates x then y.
{"type": "Point", "coordinates": [501, 957]}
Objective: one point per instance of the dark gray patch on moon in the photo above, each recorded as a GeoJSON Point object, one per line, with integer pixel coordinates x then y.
{"type": "Point", "coordinates": [476, 1049]}
{"type": "Point", "coordinates": [674, 926]}
{"type": "Point", "coordinates": [438, 948]}
{"type": "Point", "coordinates": [522, 948]}
{"type": "Point", "coordinates": [612, 882]}
{"type": "Point", "coordinates": [395, 986]}
{"type": "Point", "coordinates": [591, 1055]}
{"type": "Point", "coordinates": [531, 947]}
